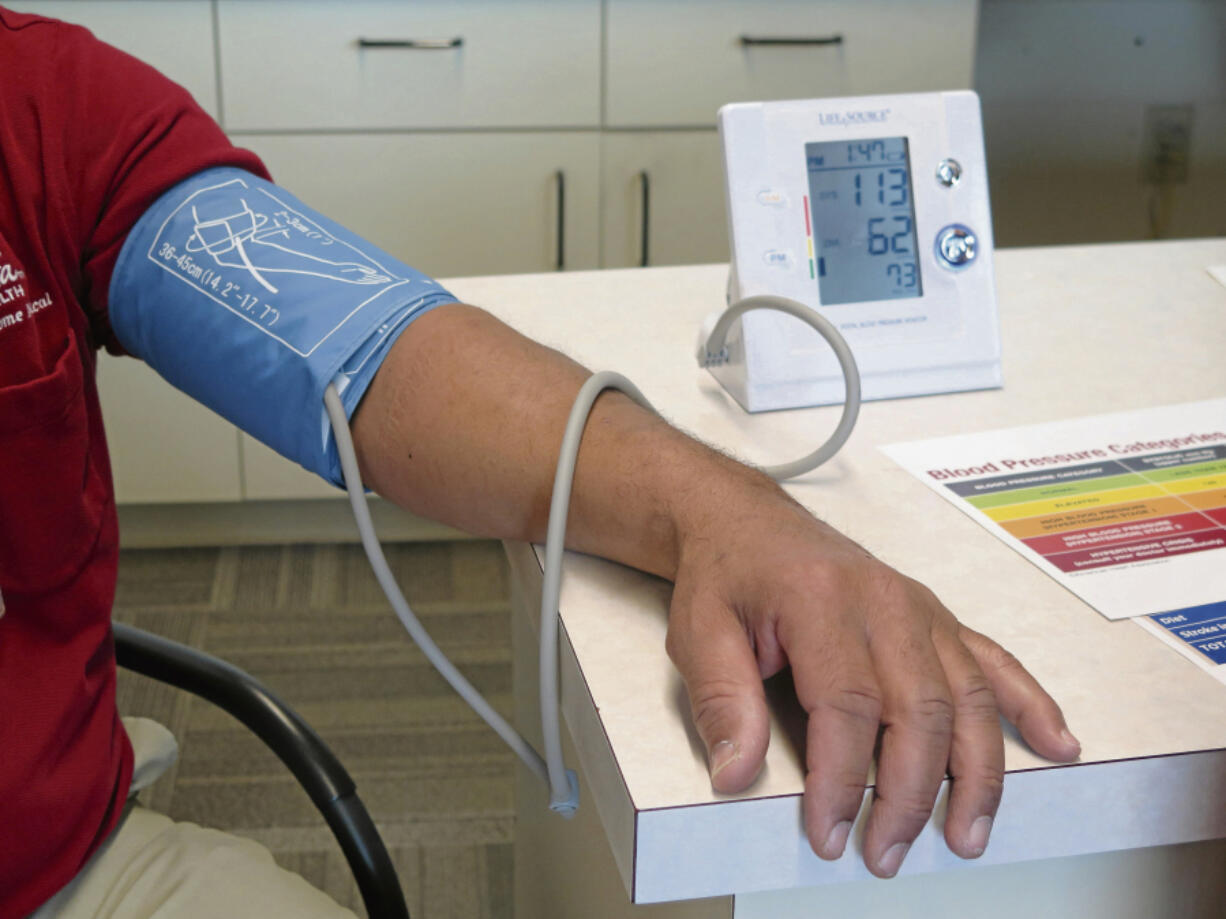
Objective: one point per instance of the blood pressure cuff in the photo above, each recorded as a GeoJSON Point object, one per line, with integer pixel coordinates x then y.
{"type": "Point", "coordinates": [252, 303]}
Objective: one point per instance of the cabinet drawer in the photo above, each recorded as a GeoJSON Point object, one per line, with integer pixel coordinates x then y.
{"type": "Point", "coordinates": [451, 204]}
{"type": "Point", "coordinates": [675, 62]}
{"type": "Point", "coordinates": [174, 36]}
{"type": "Point", "coordinates": [290, 64]}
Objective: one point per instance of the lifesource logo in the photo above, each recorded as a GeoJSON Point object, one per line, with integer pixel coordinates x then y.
{"type": "Point", "coordinates": [845, 118]}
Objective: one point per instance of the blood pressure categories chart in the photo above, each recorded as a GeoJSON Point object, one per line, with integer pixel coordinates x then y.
{"type": "Point", "coordinates": [1126, 510]}
{"type": "Point", "coordinates": [1105, 514]}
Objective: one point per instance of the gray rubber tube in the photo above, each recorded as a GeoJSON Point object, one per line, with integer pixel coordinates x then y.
{"type": "Point", "coordinates": [851, 374]}
{"type": "Point", "coordinates": [387, 581]}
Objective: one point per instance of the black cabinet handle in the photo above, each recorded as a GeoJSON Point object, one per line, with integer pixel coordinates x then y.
{"type": "Point", "coordinates": [785, 41]}
{"type": "Point", "coordinates": [414, 44]}
{"type": "Point", "coordinates": [645, 215]}
{"type": "Point", "coordinates": [560, 261]}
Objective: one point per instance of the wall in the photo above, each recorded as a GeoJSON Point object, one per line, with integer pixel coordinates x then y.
{"type": "Point", "coordinates": [1067, 88]}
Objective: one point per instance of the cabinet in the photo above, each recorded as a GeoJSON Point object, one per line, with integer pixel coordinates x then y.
{"type": "Point", "coordinates": [487, 137]}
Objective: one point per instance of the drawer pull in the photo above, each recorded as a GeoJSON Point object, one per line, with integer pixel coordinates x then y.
{"type": "Point", "coordinates": [645, 215]}
{"type": "Point", "coordinates": [560, 261]}
{"type": "Point", "coordinates": [785, 41]}
{"type": "Point", "coordinates": [419, 44]}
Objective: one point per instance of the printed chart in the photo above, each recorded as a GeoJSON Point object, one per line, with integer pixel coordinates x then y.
{"type": "Point", "coordinates": [1097, 515]}
{"type": "Point", "coordinates": [1126, 510]}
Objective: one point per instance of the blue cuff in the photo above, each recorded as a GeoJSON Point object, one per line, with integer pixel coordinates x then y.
{"type": "Point", "coordinates": [252, 303]}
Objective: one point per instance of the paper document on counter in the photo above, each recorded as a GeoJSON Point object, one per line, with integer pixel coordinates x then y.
{"type": "Point", "coordinates": [1218, 272]}
{"type": "Point", "coordinates": [1127, 510]}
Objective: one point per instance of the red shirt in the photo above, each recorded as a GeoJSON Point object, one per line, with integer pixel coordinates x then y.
{"type": "Point", "coordinates": [89, 137]}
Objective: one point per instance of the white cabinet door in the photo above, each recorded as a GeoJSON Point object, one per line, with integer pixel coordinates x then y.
{"type": "Point", "coordinates": [174, 36]}
{"type": "Point", "coordinates": [451, 204]}
{"type": "Point", "coordinates": [165, 447]}
{"type": "Point", "coordinates": [298, 64]}
{"type": "Point", "coordinates": [663, 199]}
{"type": "Point", "coordinates": [675, 62]}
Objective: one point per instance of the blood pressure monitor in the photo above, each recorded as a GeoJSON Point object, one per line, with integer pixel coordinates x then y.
{"type": "Point", "coordinates": [874, 211]}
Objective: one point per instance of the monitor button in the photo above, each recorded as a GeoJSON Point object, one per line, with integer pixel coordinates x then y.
{"type": "Point", "coordinates": [957, 246]}
{"type": "Point", "coordinates": [949, 173]}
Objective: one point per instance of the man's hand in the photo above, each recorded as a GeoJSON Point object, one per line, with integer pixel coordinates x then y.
{"type": "Point", "coordinates": [869, 649]}
{"type": "Point", "coordinates": [462, 424]}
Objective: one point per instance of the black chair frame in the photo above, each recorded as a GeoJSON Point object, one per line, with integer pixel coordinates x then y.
{"type": "Point", "coordinates": [295, 743]}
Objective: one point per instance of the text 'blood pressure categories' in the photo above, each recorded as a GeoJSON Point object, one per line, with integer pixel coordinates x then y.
{"type": "Point", "coordinates": [863, 216]}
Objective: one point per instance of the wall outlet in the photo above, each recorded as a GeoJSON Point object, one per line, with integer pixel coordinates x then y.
{"type": "Point", "coordinates": [1166, 144]}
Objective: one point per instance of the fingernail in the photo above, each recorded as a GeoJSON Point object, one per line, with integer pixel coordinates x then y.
{"type": "Point", "coordinates": [892, 860]}
{"type": "Point", "coordinates": [836, 842]}
{"type": "Point", "coordinates": [977, 838]}
{"type": "Point", "coordinates": [723, 754]}
{"type": "Point", "coordinates": [1069, 739]}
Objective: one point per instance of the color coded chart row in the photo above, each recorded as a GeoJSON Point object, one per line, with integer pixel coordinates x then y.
{"type": "Point", "coordinates": [1116, 512]}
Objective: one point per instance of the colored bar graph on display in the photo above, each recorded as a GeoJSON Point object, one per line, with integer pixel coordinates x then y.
{"type": "Point", "coordinates": [809, 237]}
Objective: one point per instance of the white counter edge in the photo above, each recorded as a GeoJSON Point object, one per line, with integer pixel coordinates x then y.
{"type": "Point", "coordinates": [754, 845]}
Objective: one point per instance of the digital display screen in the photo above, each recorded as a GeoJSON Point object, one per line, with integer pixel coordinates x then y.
{"type": "Point", "coordinates": [863, 217]}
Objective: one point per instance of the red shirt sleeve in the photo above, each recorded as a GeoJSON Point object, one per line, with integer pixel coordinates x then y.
{"type": "Point", "coordinates": [126, 135]}
{"type": "Point", "coordinates": [89, 137]}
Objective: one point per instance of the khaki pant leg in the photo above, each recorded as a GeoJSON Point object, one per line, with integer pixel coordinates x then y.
{"type": "Point", "coordinates": [154, 867]}
{"type": "Point", "coordinates": [151, 866]}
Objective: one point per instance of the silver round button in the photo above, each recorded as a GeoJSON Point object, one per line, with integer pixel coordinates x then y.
{"type": "Point", "coordinates": [949, 172]}
{"type": "Point", "coordinates": [957, 246]}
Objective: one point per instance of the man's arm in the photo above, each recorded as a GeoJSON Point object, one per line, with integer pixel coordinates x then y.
{"type": "Point", "coordinates": [463, 423]}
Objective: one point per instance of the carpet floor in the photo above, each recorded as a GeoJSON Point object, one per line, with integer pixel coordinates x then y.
{"type": "Point", "coordinates": [311, 623]}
